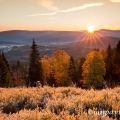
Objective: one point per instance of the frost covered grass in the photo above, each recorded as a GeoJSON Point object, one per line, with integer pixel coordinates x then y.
{"type": "Point", "coordinates": [62, 103]}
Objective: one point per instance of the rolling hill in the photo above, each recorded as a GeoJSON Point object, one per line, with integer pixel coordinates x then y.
{"type": "Point", "coordinates": [16, 44]}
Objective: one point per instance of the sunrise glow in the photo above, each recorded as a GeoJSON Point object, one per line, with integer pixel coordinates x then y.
{"type": "Point", "coordinates": [91, 29]}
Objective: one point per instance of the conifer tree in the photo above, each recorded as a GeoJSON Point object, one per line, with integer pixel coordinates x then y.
{"type": "Point", "coordinates": [72, 70]}
{"type": "Point", "coordinates": [116, 70]}
{"type": "Point", "coordinates": [2, 67]}
{"type": "Point", "coordinates": [79, 72]}
{"type": "Point", "coordinates": [7, 64]}
{"type": "Point", "coordinates": [109, 65]}
{"type": "Point", "coordinates": [35, 66]}
{"type": "Point", "coordinates": [5, 61]}
{"type": "Point", "coordinates": [5, 73]}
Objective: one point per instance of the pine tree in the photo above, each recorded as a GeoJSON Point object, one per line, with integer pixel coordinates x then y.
{"type": "Point", "coordinates": [80, 80]}
{"type": "Point", "coordinates": [94, 70]}
{"type": "Point", "coordinates": [5, 73]}
{"type": "Point", "coordinates": [116, 70]}
{"type": "Point", "coordinates": [7, 65]}
{"type": "Point", "coordinates": [1, 71]}
{"type": "Point", "coordinates": [118, 52]}
{"type": "Point", "coordinates": [5, 60]}
{"type": "Point", "coordinates": [109, 65]}
{"type": "Point", "coordinates": [72, 70]}
{"type": "Point", "coordinates": [35, 66]}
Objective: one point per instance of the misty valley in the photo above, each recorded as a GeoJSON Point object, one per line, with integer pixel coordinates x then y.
{"type": "Point", "coordinates": [16, 44]}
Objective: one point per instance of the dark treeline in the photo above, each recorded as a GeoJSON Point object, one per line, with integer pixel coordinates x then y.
{"type": "Point", "coordinates": [99, 69]}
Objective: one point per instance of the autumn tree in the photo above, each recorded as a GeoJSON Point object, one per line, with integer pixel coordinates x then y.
{"type": "Point", "coordinates": [35, 66]}
{"type": "Point", "coordinates": [94, 70]}
{"type": "Point", "coordinates": [60, 68]}
{"type": "Point", "coordinates": [19, 74]}
{"type": "Point", "coordinates": [47, 69]}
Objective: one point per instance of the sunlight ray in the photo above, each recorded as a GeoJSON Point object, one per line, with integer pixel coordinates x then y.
{"type": "Point", "coordinates": [99, 39]}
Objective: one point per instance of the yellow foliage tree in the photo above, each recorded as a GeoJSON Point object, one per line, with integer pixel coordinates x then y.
{"type": "Point", "coordinates": [47, 69]}
{"type": "Point", "coordinates": [94, 69]}
{"type": "Point", "coordinates": [60, 67]}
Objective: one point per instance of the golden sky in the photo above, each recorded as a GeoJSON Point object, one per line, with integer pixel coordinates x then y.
{"type": "Point", "coordinates": [70, 15]}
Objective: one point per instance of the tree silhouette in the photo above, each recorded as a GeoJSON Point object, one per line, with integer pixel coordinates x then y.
{"type": "Point", "coordinates": [35, 66]}
{"type": "Point", "coordinates": [72, 70]}
{"type": "Point", "coordinates": [6, 79]}
{"type": "Point", "coordinates": [116, 70]}
{"type": "Point", "coordinates": [80, 81]}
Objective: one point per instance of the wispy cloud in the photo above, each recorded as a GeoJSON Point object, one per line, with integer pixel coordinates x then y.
{"type": "Point", "coordinates": [53, 13]}
{"type": "Point", "coordinates": [71, 9]}
{"type": "Point", "coordinates": [83, 7]}
{"type": "Point", "coordinates": [48, 4]}
{"type": "Point", "coordinates": [115, 27]}
{"type": "Point", "coordinates": [115, 0]}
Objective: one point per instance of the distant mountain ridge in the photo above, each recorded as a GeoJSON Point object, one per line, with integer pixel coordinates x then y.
{"type": "Point", "coordinates": [16, 43]}
{"type": "Point", "coordinates": [50, 37]}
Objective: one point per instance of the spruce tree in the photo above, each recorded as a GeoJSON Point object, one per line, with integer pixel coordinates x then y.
{"type": "Point", "coordinates": [117, 57]}
{"type": "Point", "coordinates": [7, 64]}
{"type": "Point", "coordinates": [80, 81]}
{"type": "Point", "coordinates": [116, 70]}
{"type": "Point", "coordinates": [72, 70]}
{"type": "Point", "coordinates": [35, 66]}
{"type": "Point", "coordinates": [5, 61]}
{"type": "Point", "coordinates": [5, 73]}
{"type": "Point", "coordinates": [109, 65]}
{"type": "Point", "coordinates": [1, 71]}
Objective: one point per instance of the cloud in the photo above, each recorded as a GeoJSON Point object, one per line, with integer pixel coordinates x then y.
{"type": "Point", "coordinates": [115, 27]}
{"type": "Point", "coordinates": [71, 9]}
{"type": "Point", "coordinates": [48, 4]}
{"type": "Point", "coordinates": [115, 1]}
{"type": "Point", "coordinates": [53, 13]}
{"type": "Point", "coordinates": [82, 7]}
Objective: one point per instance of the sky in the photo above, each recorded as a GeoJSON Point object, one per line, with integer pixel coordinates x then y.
{"type": "Point", "coordinates": [60, 15]}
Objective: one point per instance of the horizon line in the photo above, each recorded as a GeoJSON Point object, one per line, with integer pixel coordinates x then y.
{"type": "Point", "coordinates": [58, 30]}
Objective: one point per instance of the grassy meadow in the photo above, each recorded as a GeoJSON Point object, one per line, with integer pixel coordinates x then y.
{"type": "Point", "coordinates": [62, 103]}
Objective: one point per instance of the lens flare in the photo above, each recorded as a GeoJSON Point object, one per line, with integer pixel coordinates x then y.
{"type": "Point", "coordinates": [91, 29]}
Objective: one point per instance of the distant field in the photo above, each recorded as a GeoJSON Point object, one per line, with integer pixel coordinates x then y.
{"type": "Point", "coordinates": [63, 103]}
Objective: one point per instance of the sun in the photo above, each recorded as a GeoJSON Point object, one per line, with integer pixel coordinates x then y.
{"type": "Point", "coordinates": [91, 29]}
